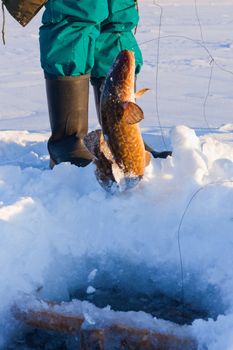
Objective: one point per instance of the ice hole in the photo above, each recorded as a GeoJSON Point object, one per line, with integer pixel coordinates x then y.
{"type": "Point", "coordinates": [157, 291]}
{"type": "Point", "coordinates": [127, 286]}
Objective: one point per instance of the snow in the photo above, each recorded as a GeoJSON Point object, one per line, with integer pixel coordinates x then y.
{"type": "Point", "coordinates": [90, 290]}
{"type": "Point", "coordinates": [60, 231]}
{"type": "Point", "coordinates": [92, 275]}
{"type": "Point", "coordinates": [105, 317]}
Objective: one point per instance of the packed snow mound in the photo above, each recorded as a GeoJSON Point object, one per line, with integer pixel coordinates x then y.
{"type": "Point", "coordinates": [60, 231]}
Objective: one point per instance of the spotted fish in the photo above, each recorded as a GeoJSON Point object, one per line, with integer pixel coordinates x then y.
{"type": "Point", "coordinates": [118, 148]}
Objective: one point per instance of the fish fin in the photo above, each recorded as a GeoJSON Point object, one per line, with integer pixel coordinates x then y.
{"type": "Point", "coordinates": [147, 158]}
{"type": "Point", "coordinates": [104, 148]}
{"type": "Point", "coordinates": [92, 142]}
{"type": "Point", "coordinates": [132, 112]}
{"type": "Point", "coordinates": [141, 92]}
{"type": "Point", "coordinates": [95, 143]}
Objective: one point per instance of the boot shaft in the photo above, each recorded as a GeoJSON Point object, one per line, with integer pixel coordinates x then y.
{"type": "Point", "coordinates": [68, 114]}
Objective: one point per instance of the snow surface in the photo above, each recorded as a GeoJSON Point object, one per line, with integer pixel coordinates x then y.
{"type": "Point", "coordinates": [60, 231]}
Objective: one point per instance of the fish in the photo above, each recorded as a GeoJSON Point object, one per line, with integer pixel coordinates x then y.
{"type": "Point", "coordinates": [118, 147]}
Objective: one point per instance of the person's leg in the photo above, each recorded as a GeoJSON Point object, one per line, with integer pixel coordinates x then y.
{"type": "Point", "coordinates": [68, 35]}
{"type": "Point", "coordinates": [67, 44]}
{"type": "Point", "coordinates": [115, 35]}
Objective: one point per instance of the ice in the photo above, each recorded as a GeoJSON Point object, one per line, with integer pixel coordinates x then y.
{"type": "Point", "coordinates": [92, 275]}
{"type": "Point", "coordinates": [90, 290]}
{"type": "Point", "coordinates": [60, 232]}
{"type": "Point", "coordinates": [108, 241]}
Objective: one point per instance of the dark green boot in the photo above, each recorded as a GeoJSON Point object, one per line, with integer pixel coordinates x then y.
{"type": "Point", "coordinates": [97, 83]}
{"type": "Point", "coordinates": [68, 114]}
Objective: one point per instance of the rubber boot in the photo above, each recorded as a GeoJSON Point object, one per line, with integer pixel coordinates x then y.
{"type": "Point", "coordinates": [68, 113]}
{"type": "Point", "coordinates": [97, 83]}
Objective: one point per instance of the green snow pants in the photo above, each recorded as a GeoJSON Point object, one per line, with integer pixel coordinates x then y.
{"type": "Point", "coordinates": [84, 36]}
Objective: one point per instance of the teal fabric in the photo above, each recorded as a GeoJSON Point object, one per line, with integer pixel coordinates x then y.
{"type": "Point", "coordinates": [84, 36]}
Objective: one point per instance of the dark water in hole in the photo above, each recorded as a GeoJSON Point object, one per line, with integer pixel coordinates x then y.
{"type": "Point", "coordinates": [157, 304]}
{"type": "Point", "coordinates": [36, 339]}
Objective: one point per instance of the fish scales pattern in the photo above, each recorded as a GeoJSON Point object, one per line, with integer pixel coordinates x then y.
{"type": "Point", "coordinates": [124, 139]}
{"type": "Point", "coordinates": [130, 148]}
{"type": "Point", "coordinates": [119, 145]}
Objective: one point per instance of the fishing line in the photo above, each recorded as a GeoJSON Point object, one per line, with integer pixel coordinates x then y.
{"type": "Point", "coordinates": [211, 64]}
{"type": "Point", "coordinates": [179, 243]}
{"type": "Point", "coordinates": [200, 43]}
{"type": "Point", "coordinates": [199, 22]}
{"type": "Point", "coordinates": [157, 73]}
{"type": "Point", "coordinates": [208, 93]}
{"type": "Point", "coordinates": [3, 23]}
{"type": "Point", "coordinates": [196, 41]}
{"type": "Point", "coordinates": [194, 195]}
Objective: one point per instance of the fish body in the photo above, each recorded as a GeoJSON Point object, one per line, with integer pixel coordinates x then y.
{"type": "Point", "coordinates": [120, 116]}
{"type": "Point", "coordinates": [119, 149]}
